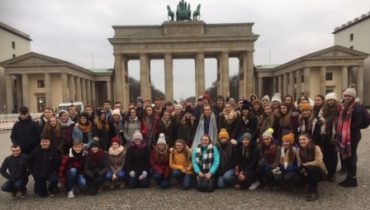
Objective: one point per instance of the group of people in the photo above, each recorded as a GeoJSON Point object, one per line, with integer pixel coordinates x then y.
{"type": "Point", "coordinates": [277, 143]}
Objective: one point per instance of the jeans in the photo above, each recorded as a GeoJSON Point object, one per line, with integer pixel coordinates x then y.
{"type": "Point", "coordinates": [13, 186]}
{"type": "Point", "coordinates": [120, 175]}
{"type": "Point", "coordinates": [73, 178]}
{"type": "Point", "coordinates": [134, 182]}
{"type": "Point", "coordinates": [186, 179]}
{"type": "Point", "coordinates": [40, 184]}
{"type": "Point", "coordinates": [161, 180]}
{"type": "Point", "coordinates": [226, 179]}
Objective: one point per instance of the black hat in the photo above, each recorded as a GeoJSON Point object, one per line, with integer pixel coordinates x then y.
{"type": "Point", "coordinates": [188, 110]}
{"type": "Point", "coordinates": [94, 144]}
{"type": "Point", "coordinates": [23, 110]}
{"type": "Point", "coordinates": [246, 105]}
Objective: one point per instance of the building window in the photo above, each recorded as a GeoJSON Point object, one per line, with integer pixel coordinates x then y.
{"type": "Point", "coordinates": [329, 76]}
{"type": "Point", "coordinates": [40, 83]}
{"type": "Point", "coordinates": [14, 55]}
{"type": "Point", "coordinates": [40, 103]}
{"type": "Point", "coordinates": [351, 37]}
{"type": "Point", "coordinates": [13, 44]}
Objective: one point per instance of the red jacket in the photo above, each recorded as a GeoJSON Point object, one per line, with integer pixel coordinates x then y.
{"type": "Point", "coordinates": [158, 166]}
{"type": "Point", "coordinates": [69, 161]}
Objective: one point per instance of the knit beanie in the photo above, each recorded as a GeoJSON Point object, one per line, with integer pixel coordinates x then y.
{"type": "Point", "coordinates": [116, 112]}
{"type": "Point", "coordinates": [288, 138]}
{"type": "Point", "coordinates": [305, 106]}
{"type": "Point", "coordinates": [223, 134]}
{"type": "Point", "coordinates": [116, 140]}
{"type": "Point", "coordinates": [139, 100]}
{"type": "Point", "coordinates": [351, 92]}
{"type": "Point", "coordinates": [268, 133]}
{"type": "Point", "coordinates": [94, 144]}
{"type": "Point", "coordinates": [137, 135]}
{"type": "Point", "coordinates": [331, 96]}
{"type": "Point", "coordinates": [161, 139]}
{"type": "Point", "coordinates": [247, 135]}
{"type": "Point", "coordinates": [276, 97]}
{"type": "Point", "coordinates": [266, 97]}
{"type": "Point", "coordinates": [77, 141]}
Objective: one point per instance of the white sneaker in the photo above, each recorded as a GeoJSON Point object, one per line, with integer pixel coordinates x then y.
{"type": "Point", "coordinates": [255, 185]}
{"type": "Point", "coordinates": [70, 194]}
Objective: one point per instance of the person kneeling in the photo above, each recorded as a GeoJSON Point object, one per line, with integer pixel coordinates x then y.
{"type": "Point", "coordinates": [159, 161]}
{"type": "Point", "coordinates": [95, 168]}
{"type": "Point", "coordinates": [116, 161]}
{"type": "Point", "coordinates": [15, 169]}
{"type": "Point", "coordinates": [180, 163]}
{"type": "Point", "coordinates": [228, 158]}
{"type": "Point", "coordinates": [206, 159]}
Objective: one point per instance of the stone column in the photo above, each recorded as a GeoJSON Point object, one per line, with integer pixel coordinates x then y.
{"type": "Point", "coordinates": [243, 75]}
{"type": "Point", "coordinates": [9, 93]}
{"type": "Point", "coordinates": [225, 81]}
{"type": "Point", "coordinates": [65, 95]}
{"type": "Point", "coordinates": [199, 74]}
{"type": "Point", "coordinates": [72, 88]}
{"type": "Point", "coordinates": [145, 89]}
{"type": "Point", "coordinates": [280, 86]}
{"type": "Point", "coordinates": [323, 80]}
{"type": "Point", "coordinates": [274, 85]}
{"type": "Point", "coordinates": [78, 89]}
{"type": "Point", "coordinates": [18, 91]}
{"type": "Point", "coordinates": [299, 84]}
{"type": "Point", "coordinates": [93, 94]}
{"type": "Point", "coordinates": [250, 82]}
{"type": "Point", "coordinates": [306, 89]}
{"type": "Point", "coordinates": [260, 86]}
{"type": "Point", "coordinates": [109, 90]}
{"type": "Point", "coordinates": [47, 83]}
{"type": "Point", "coordinates": [285, 85]}
{"type": "Point", "coordinates": [83, 90]}
{"type": "Point", "coordinates": [291, 84]}
{"type": "Point", "coordinates": [344, 77]}
{"type": "Point", "coordinates": [360, 82]}
{"type": "Point", "coordinates": [88, 88]}
{"type": "Point", "coordinates": [118, 78]}
{"type": "Point", "coordinates": [168, 77]}
{"type": "Point", "coordinates": [25, 92]}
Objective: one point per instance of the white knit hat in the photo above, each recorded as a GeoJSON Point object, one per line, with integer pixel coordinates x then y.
{"type": "Point", "coordinates": [137, 135]}
{"type": "Point", "coordinates": [351, 92]}
{"type": "Point", "coordinates": [116, 112]}
{"type": "Point", "coordinates": [161, 139]}
{"type": "Point", "coordinates": [331, 96]}
{"type": "Point", "coordinates": [266, 97]}
{"type": "Point", "coordinates": [276, 97]}
{"type": "Point", "coordinates": [268, 133]}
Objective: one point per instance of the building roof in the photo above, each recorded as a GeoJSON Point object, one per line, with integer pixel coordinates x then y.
{"type": "Point", "coordinates": [267, 66]}
{"type": "Point", "coordinates": [14, 31]}
{"type": "Point", "coordinates": [352, 22]}
{"type": "Point", "coordinates": [102, 71]}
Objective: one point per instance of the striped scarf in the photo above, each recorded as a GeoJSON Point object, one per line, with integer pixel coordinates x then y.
{"type": "Point", "coordinates": [344, 130]}
{"type": "Point", "coordinates": [204, 159]}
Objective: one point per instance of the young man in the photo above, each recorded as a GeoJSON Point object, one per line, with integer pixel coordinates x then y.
{"type": "Point", "coordinates": [43, 163]}
{"type": "Point", "coordinates": [25, 132]}
{"type": "Point", "coordinates": [15, 170]}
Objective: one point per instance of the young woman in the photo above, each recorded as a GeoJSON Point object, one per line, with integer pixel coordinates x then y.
{"type": "Point", "coordinates": [104, 129]}
{"type": "Point", "coordinates": [166, 126]}
{"type": "Point", "coordinates": [311, 165]}
{"type": "Point", "coordinates": [288, 122]}
{"type": "Point", "coordinates": [228, 158]}
{"type": "Point", "coordinates": [67, 125]}
{"type": "Point", "coordinates": [95, 168]}
{"type": "Point", "coordinates": [305, 118]}
{"type": "Point", "coordinates": [229, 120]}
{"type": "Point", "coordinates": [149, 125]}
{"type": "Point", "coordinates": [268, 120]}
{"type": "Point", "coordinates": [247, 123]}
{"type": "Point", "coordinates": [247, 162]}
{"type": "Point", "coordinates": [270, 159]}
{"type": "Point", "coordinates": [137, 162]}
{"type": "Point", "coordinates": [206, 160]}
{"type": "Point", "coordinates": [71, 169]}
{"type": "Point", "coordinates": [180, 163]}
{"type": "Point", "coordinates": [116, 162]}
{"type": "Point", "coordinates": [330, 112]}
{"type": "Point", "coordinates": [131, 125]}
{"type": "Point", "coordinates": [118, 125]}
{"type": "Point", "coordinates": [187, 127]}
{"type": "Point", "coordinates": [83, 130]}
{"type": "Point", "coordinates": [54, 133]}
{"type": "Point", "coordinates": [207, 125]}
{"type": "Point", "coordinates": [159, 162]}
{"type": "Point", "coordinates": [318, 122]}
{"type": "Point", "coordinates": [288, 162]}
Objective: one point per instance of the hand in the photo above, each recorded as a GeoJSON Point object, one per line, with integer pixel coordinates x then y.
{"type": "Point", "coordinates": [114, 177]}
{"type": "Point", "coordinates": [208, 175]}
{"type": "Point", "coordinates": [233, 142]}
{"type": "Point", "coordinates": [141, 177]}
{"type": "Point", "coordinates": [188, 168]}
{"type": "Point", "coordinates": [201, 175]}
{"type": "Point", "coordinates": [304, 164]}
{"type": "Point", "coordinates": [241, 177]}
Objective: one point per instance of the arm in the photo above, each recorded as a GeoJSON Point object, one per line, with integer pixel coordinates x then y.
{"type": "Point", "coordinates": [216, 161]}
{"type": "Point", "coordinates": [318, 158]}
{"type": "Point", "coordinates": [173, 165]}
{"type": "Point", "coordinates": [194, 161]}
{"type": "Point", "coordinates": [4, 169]}
{"type": "Point", "coordinates": [277, 159]}
{"type": "Point", "coordinates": [153, 164]}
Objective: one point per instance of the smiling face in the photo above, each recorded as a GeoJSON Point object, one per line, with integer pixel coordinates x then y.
{"type": "Point", "coordinates": [64, 117]}
{"type": "Point", "coordinates": [48, 113]}
{"type": "Point", "coordinates": [267, 109]}
{"type": "Point", "coordinates": [179, 146]}
{"type": "Point", "coordinates": [53, 122]}
{"type": "Point", "coordinates": [256, 106]}
{"type": "Point", "coordinates": [78, 148]}
{"type": "Point", "coordinates": [267, 140]}
{"type": "Point", "coordinates": [115, 146]}
{"type": "Point", "coordinates": [16, 151]}
{"type": "Point", "coordinates": [205, 141]}
{"type": "Point", "coordinates": [348, 98]}
{"type": "Point", "coordinates": [149, 111]}
{"type": "Point", "coordinates": [283, 109]}
{"type": "Point", "coordinates": [45, 143]}
{"type": "Point", "coordinates": [246, 142]}
{"type": "Point", "coordinates": [318, 101]}
{"type": "Point", "coordinates": [303, 141]}
{"type": "Point", "coordinates": [207, 111]}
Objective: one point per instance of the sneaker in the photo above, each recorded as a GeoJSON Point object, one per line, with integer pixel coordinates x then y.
{"type": "Point", "coordinates": [70, 194]}
{"type": "Point", "coordinates": [255, 185]}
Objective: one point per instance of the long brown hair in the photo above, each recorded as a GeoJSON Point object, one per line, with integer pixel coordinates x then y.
{"type": "Point", "coordinates": [307, 154]}
{"type": "Point", "coordinates": [50, 131]}
{"type": "Point", "coordinates": [186, 149]}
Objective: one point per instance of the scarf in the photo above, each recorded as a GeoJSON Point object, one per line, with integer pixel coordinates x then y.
{"type": "Point", "coordinates": [87, 128]}
{"type": "Point", "coordinates": [67, 124]}
{"type": "Point", "coordinates": [97, 157]}
{"type": "Point", "coordinates": [344, 130]}
{"type": "Point", "coordinates": [269, 152]}
{"type": "Point", "coordinates": [204, 159]}
{"type": "Point", "coordinates": [72, 154]}
{"type": "Point", "coordinates": [100, 123]}
{"type": "Point", "coordinates": [166, 123]}
{"type": "Point", "coordinates": [116, 152]}
{"type": "Point", "coordinates": [162, 156]}
{"type": "Point", "coordinates": [225, 153]}
{"type": "Point", "coordinates": [287, 156]}
{"type": "Point", "coordinates": [212, 131]}
{"type": "Point", "coordinates": [307, 154]}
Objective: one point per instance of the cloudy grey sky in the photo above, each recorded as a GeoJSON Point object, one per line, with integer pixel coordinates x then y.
{"type": "Point", "coordinates": [77, 31]}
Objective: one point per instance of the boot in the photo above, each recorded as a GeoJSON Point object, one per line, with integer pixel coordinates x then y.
{"type": "Point", "coordinates": [352, 182]}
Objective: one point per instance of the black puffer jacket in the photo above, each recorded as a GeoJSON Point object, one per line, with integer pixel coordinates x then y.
{"type": "Point", "coordinates": [43, 162]}
{"type": "Point", "coordinates": [26, 133]}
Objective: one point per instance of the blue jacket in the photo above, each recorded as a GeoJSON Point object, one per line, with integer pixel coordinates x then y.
{"type": "Point", "coordinates": [215, 164]}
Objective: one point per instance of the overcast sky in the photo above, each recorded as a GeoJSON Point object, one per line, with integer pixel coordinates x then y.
{"type": "Point", "coordinates": [77, 30]}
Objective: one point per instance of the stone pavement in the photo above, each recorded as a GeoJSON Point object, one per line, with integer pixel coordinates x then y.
{"type": "Point", "coordinates": [331, 195]}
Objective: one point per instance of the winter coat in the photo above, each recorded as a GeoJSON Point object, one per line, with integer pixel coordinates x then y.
{"type": "Point", "coordinates": [116, 159]}
{"type": "Point", "coordinates": [248, 158]}
{"type": "Point", "coordinates": [67, 129]}
{"type": "Point", "coordinates": [137, 159]}
{"type": "Point", "coordinates": [178, 161]}
{"type": "Point", "coordinates": [160, 166]}
{"type": "Point", "coordinates": [129, 128]}
{"type": "Point", "coordinates": [26, 133]}
{"type": "Point", "coordinates": [95, 168]}
{"type": "Point", "coordinates": [228, 157]}
{"type": "Point", "coordinates": [71, 161]}
{"type": "Point", "coordinates": [15, 168]}
{"type": "Point", "coordinates": [43, 162]}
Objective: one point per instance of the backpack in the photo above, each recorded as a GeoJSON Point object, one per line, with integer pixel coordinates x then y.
{"type": "Point", "coordinates": [365, 118]}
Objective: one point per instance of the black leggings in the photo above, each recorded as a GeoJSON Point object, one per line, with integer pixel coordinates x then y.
{"type": "Point", "coordinates": [330, 158]}
{"type": "Point", "coordinates": [313, 177]}
{"type": "Point", "coordinates": [351, 162]}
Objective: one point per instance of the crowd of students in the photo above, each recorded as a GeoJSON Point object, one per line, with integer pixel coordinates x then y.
{"type": "Point", "coordinates": [245, 144]}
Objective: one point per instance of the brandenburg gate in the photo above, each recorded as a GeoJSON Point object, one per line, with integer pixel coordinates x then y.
{"type": "Point", "coordinates": [183, 39]}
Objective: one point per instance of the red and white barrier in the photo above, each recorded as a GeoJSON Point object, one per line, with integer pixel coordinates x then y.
{"type": "Point", "coordinates": [7, 124]}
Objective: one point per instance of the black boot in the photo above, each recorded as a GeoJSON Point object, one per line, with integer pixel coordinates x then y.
{"type": "Point", "coordinates": [352, 182]}
{"type": "Point", "coordinates": [313, 195]}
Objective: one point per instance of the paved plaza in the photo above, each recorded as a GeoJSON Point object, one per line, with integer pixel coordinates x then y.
{"type": "Point", "coordinates": [331, 195]}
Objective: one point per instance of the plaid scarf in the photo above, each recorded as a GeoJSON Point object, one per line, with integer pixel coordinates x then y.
{"type": "Point", "coordinates": [344, 130]}
{"type": "Point", "coordinates": [205, 159]}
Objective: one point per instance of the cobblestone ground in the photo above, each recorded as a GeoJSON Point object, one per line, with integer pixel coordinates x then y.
{"type": "Point", "coordinates": [331, 195]}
